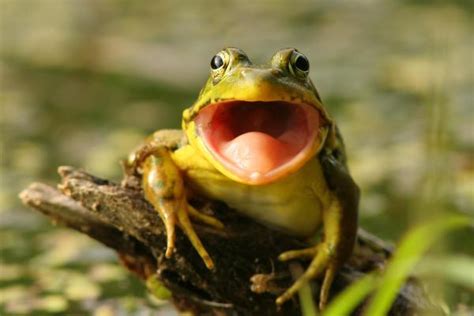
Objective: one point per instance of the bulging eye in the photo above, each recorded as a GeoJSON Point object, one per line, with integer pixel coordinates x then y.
{"type": "Point", "coordinates": [219, 65]}
{"type": "Point", "coordinates": [217, 62]}
{"type": "Point", "coordinates": [299, 64]}
{"type": "Point", "coordinates": [302, 63]}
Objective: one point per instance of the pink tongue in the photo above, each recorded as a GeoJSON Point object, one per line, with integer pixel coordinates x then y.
{"type": "Point", "coordinates": [256, 152]}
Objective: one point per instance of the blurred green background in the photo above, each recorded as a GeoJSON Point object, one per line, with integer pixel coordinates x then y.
{"type": "Point", "coordinates": [82, 82]}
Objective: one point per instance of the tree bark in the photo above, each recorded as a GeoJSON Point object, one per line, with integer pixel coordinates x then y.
{"type": "Point", "coordinates": [247, 276]}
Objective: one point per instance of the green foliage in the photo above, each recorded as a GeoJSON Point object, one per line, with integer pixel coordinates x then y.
{"type": "Point", "coordinates": [308, 306]}
{"type": "Point", "coordinates": [351, 297]}
{"type": "Point", "coordinates": [408, 254]}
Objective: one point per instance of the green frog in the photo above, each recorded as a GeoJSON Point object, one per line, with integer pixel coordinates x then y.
{"type": "Point", "coordinates": [259, 139]}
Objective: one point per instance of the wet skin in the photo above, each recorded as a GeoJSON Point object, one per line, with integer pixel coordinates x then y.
{"type": "Point", "coordinates": [259, 139]}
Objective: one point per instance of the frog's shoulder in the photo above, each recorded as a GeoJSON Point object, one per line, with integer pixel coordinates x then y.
{"type": "Point", "coordinates": [169, 138]}
{"type": "Point", "coordinates": [339, 150]}
{"type": "Point", "coordinates": [335, 148]}
{"type": "Point", "coordinates": [333, 161]}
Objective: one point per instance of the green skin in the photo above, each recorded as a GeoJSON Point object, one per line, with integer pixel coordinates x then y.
{"type": "Point", "coordinates": [177, 164]}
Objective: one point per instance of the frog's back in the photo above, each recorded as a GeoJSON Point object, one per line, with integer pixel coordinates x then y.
{"type": "Point", "coordinates": [293, 204]}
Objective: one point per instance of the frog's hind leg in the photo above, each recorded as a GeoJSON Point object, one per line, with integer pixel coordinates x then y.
{"type": "Point", "coordinates": [327, 256]}
{"type": "Point", "coordinates": [339, 235]}
{"type": "Point", "coordinates": [316, 267]}
{"type": "Point", "coordinates": [164, 188]}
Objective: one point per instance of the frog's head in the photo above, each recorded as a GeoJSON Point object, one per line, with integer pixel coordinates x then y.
{"type": "Point", "coordinates": [257, 124]}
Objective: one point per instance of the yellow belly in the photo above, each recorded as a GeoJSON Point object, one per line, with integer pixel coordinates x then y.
{"type": "Point", "coordinates": [293, 204]}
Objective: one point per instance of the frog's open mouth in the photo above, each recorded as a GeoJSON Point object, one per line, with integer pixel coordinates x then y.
{"type": "Point", "coordinates": [257, 141]}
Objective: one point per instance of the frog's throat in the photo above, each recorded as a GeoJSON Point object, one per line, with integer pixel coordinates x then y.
{"type": "Point", "coordinates": [259, 142]}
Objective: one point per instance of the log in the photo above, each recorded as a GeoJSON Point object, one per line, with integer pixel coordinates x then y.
{"type": "Point", "coordinates": [247, 277]}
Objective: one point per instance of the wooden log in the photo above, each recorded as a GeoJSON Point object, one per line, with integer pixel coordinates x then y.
{"type": "Point", "coordinates": [247, 276]}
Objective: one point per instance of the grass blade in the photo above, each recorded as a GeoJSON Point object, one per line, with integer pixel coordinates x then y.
{"type": "Point", "coordinates": [348, 300]}
{"type": "Point", "coordinates": [409, 252]}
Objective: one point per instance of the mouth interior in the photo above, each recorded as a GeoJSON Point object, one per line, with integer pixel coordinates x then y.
{"type": "Point", "coordinates": [254, 139]}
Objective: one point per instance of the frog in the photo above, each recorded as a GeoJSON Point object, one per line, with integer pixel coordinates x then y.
{"type": "Point", "coordinates": [259, 139]}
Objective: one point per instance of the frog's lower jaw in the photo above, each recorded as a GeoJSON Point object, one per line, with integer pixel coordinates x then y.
{"type": "Point", "coordinates": [259, 141]}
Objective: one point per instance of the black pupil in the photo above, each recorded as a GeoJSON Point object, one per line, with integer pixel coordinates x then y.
{"type": "Point", "coordinates": [302, 63]}
{"type": "Point", "coordinates": [216, 62]}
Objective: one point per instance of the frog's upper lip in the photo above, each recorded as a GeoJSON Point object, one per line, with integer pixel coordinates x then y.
{"type": "Point", "coordinates": [259, 141]}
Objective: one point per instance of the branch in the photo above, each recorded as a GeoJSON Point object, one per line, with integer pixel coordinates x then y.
{"type": "Point", "coordinates": [247, 277]}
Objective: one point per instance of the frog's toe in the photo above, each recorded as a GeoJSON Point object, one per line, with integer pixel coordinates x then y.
{"type": "Point", "coordinates": [170, 237]}
{"type": "Point", "coordinates": [326, 286]}
{"type": "Point", "coordinates": [298, 254]}
{"type": "Point", "coordinates": [314, 270]}
{"type": "Point", "coordinates": [177, 213]}
{"type": "Point", "coordinates": [203, 218]}
{"type": "Point", "coordinates": [187, 227]}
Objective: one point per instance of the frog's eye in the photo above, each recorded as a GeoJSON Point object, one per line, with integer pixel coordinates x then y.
{"type": "Point", "coordinates": [219, 64]}
{"type": "Point", "coordinates": [299, 64]}
{"type": "Point", "coordinates": [219, 61]}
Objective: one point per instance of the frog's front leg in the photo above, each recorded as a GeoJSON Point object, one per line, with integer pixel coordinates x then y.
{"type": "Point", "coordinates": [163, 187]}
{"type": "Point", "coordinates": [339, 233]}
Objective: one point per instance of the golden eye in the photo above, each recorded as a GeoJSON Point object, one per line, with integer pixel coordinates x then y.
{"type": "Point", "coordinates": [299, 64]}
